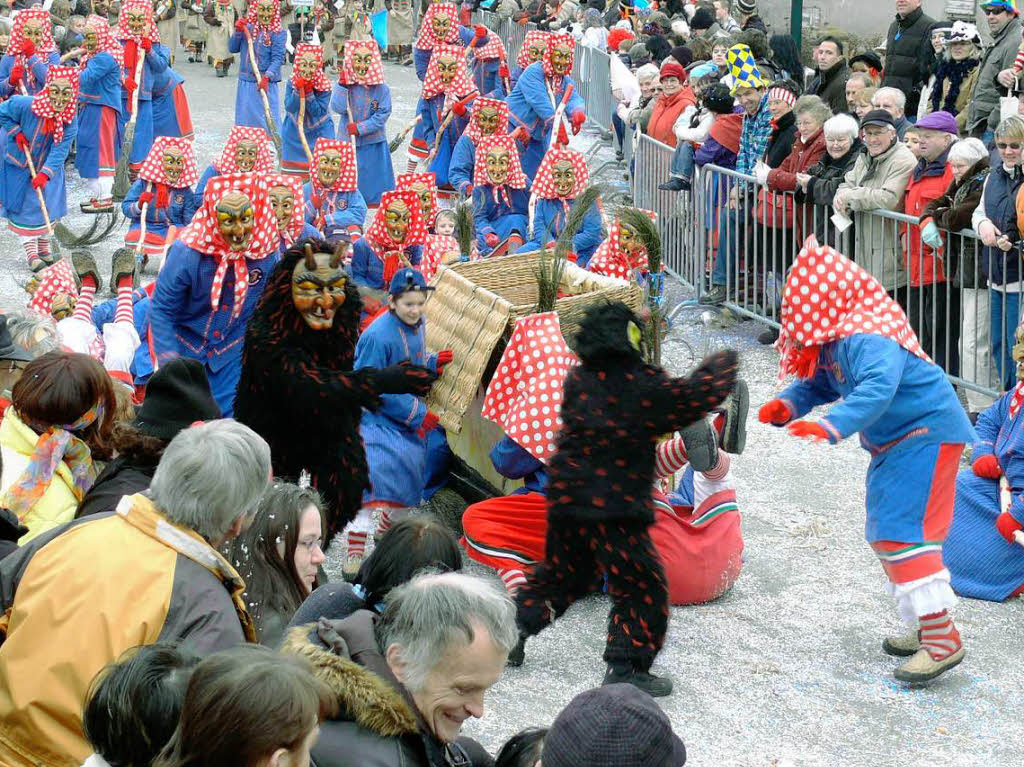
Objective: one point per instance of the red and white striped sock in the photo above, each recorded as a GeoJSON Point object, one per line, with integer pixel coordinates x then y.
{"type": "Point", "coordinates": [83, 307]}
{"type": "Point", "coordinates": [670, 456]}
{"type": "Point", "coordinates": [721, 468]}
{"type": "Point", "coordinates": [31, 246]}
{"type": "Point", "coordinates": [384, 524]}
{"type": "Point", "coordinates": [123, 310]}
{"type": "Point", "coordinates": [411, 165]}
{"type": "Point", "coordinates": [44, 246]}
{"type": "Point", "coordinates": [1018, 62]}
{"type": "Point", "coordinates": [938, 635]}
{"type": "Point", "coordinates": [513, 580]}
{"type": "Point", "coordinates": [356, 544]}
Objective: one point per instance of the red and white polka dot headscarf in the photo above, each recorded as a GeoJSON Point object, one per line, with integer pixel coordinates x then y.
{"type": "Point", "coordinates": [461, 85]}
{"type": "Point", "coordinates": [264, 160]}
{"type": "Point", "coordinates": [612, 261]}
{"type": "Point", "coordinates": [406, 180]}
{"type": "Point", "coordinates": [46, 43]}
{"type": "Point", "coordinates": [532, 37]}
{"type": "Point", "coordinates": [543, 183]}
{"type": "Point", "coordinates": [53, 281]}
{"type": "Point", "coordinates": [492, 50]}
{"type": "Point", "coordinates": [256, 29]}
{"type": "Point", "coordinates": [153, 166]}
{"type": "Point", "coordinates": [105, 42]}
{"type": "Point", "coordinates": [516, 177]}
{"type": "Point", "coordinates": [294, 183]}
{"type": "Point", "coordinates": [149, 32]}
{"type": "Point", "coordinates": [525, 394]}
{"type": "Point", "coordinates": [554, 40]}
{"type": "Point", "coordinates": [347, 180]}
{"type": "Point", "coordinates": [481, 102]}
{"type": "Point", "coordinates": [828, 298]}
{"type": "Point", "coordinates": [375, 73]}
{"type": "Point", "coordinates": [42, 108]}
{"type": "Point", "coordinates": [415, 234]}
{"type": "Point", "coordinates": [203, 234]}
{"type": "Point", "coordinates": [320, 81]}
{"type": "Point", "coordinates": [427, 40]}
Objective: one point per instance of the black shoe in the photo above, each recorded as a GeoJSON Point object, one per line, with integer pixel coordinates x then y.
{"type": "Point", "coordinates": [655, 686]}
{"type": "Point", "coordinates": [768, 336]}
{"type": "Point", "coordinates": [675, 184]}
{"type": "Point", "coordinates": [518, 653]}
{"type": "Point", "coordinates": [701, 445]}
{"type": "Point", "coordinates": [734, 426]}
{"type": "Point", "coordinates": [221, 72]}
{"type": "Point", "coordinates": [713, 297]}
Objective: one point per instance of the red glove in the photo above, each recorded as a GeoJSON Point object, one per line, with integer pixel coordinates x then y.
{"type": "Point", "coordinates": [480, 30]}
{"type": "Point", "coordinates": [467, 189]}
{"type": "Point", "coordinates": [443, 358]}
{"type": "Point", "coordinates": [811, 430]}
{"type": "Point", "coordinates": [459, 108]}
{"type": "Point", "coordinates": [503, 71]}
{"type": "Point", "coordinates": [429, 423]}
{"type": "Point", "coordinates": [521, 135]}
{"type": "Point", "coordinates": [550, 246]}
{"type": "Point", "coordinates": [40, 180]}
{"type": "Point", "coordinates": [264, 82]}
{"type": "Point", "coordinates": [21, 141]}
{"type": "Point", "coordinates": [241, 25]}
{"type": "Point", "coordinates": [17, 72]}
{"type": "Point", "coordinates": [353, 129]}
{"type": "Point", "coordinates": [491, 239]}
{"type": "Point", "coordinates": [28, 48]}
{"type": "Point", "coordinates": [301, 84]}
{"type": "Point", "coordinates": [1007, 526]}
{"type": "Point", "coordinates": [578, 118]}
{"type": "Point", "coordinates": [145, 198]}
{"type": "Point", "coordinates": [987, 466]}
{"type": "Point", "coordinates": [147, 44]}
{"type": "Point", "coordinates": [130, 85]}
{"type": "Point", "coordinates": [354, 232]}
{"type": "Point", "coordinates": [776, 412]}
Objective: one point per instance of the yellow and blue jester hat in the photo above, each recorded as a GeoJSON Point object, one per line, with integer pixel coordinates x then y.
{"type": "Point", "coordinates": [744, 69]}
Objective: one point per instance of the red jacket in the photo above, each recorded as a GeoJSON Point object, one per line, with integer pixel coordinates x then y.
{"type": "Point", "coordinates": [666, 111]}
{"type": "Point", "coordinates": [928, 182]}
{"type": "Point", "coordinates": [801, 157]}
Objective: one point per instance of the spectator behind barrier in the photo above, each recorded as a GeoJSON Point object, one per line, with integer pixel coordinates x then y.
{"type": "Point", "coordinates": [857, 82]}
{"type": "Point", "coordinates": [995, 73]}
{"type": "Point", "coordinates": [408, 679]}
{"type": "Point", "coordinates": [160, 548]}
{"type": "Point", "coordinates": [819, 183]}
{"type": "Point", "coordinates": [909, 55]}
{"type": "Point", "coordinates": [894, 102]}
{"type": "Point", "coordinates": [831, 80]}
{"type": "Point", "coordinates": [248, 707]}
{"type": "Point", "coordinates": [134, 703]}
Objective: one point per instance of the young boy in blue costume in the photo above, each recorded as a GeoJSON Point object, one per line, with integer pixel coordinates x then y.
{"type": "Point", "coordinates": [488, 117]}
{"type": "Point", "coordinates": [500, 200]}
{"type": "Point", "coordinates": [99, 114]}
{"type": "Point", "coordinates": [363, 100]}
{"type": "Point", "coordinates": [395, 434]}
{"type": "Point", "coordinates": [44, 127]}
{"type": "Point", "coordinates": [334, 206]}
{"type": "Point", "coordinates": [307, 82]}
{"type": "Point", "coordinates": [212, 280]}
{"type": "Point", "coordinates": [846, 339]}
{"type": "Point", "coordinates": [561, 178]}
{"type": "Point", "coordinates": [538, 92]}
{"type": "Point", "coordinates": [262, 25]}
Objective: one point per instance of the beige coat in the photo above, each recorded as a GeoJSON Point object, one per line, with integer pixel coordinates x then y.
{"type": "Point", "coordinates": [878, 183]}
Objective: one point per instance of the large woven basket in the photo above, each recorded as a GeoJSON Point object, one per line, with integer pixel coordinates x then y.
{"type": "Point", "coordinates": [474, 306]}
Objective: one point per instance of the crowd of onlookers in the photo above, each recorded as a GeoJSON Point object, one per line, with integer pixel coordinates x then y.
{"type": "Point", "coordinates": [836, 146]}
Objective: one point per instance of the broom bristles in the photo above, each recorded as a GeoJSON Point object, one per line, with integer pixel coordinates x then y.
{"type": "Point", "coordinates": [647, 231]}
{"type": "Point", "coordinates": [122, 180]}
{"type": "Point", "coordinates": [464, 229]}
{"type": "Point", "coordinates": [551, 266]}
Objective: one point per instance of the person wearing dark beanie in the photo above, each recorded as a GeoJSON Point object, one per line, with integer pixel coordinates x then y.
{"type": "Point", "coordinates": [659, 48]}
{"type": "Point", "coordinates": [683, 55]}
{"type": "Point", "coordinates": [703, 22]}
{"type": "Point", "coordinates": [177, 396]}
{"type": "Point", "coordinates": [746, 12]}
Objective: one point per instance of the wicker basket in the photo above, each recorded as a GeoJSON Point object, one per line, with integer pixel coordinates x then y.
{"type": "Point", "coordinates": [475, 305]}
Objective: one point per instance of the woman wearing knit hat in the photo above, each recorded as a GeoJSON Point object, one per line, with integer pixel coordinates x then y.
{"type": "Point", "coordinates": [957, 75]}
{"type": "Point", "coordinates": [676, 97]}
{"type": "Point", "coordinates": [746, 13]}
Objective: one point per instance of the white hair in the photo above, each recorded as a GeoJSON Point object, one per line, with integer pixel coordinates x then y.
{"type": "Point", "coordinates": [34, 332]}
{"type": "Point", "coordinates": [896, 93]}
{"type": "Point", "coordinates": [647, 72]}
{"type": "Point", "coordinates": [210, 475]}
{"type": "Point", "coordinates": [842, 125]}
{"type": "Point", "coordinates": [970, 150]}
{"type": "Point", "coordinates": [438, 612]}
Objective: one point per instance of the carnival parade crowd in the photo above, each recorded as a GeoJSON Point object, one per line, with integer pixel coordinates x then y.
{"type": "Point", "coordinates": [178, 457]}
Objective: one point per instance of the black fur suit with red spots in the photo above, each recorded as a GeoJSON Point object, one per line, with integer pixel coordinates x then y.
{"type": "Point", "coordinates": [614, 409]}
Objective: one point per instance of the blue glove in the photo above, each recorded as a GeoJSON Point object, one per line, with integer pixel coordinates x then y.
{"type": "Point", "coordinates": [930, 235]}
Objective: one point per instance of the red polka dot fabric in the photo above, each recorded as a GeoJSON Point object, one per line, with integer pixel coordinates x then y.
{"type": "Point", "coordinates": [533, 37]}
{"type": "Point", "coordinates": [612, 261]}
{"type": "Point", "coordinates": [554, 40]}
{"type": "Point", "coordinates": [320, 81]}
{"type": "Point", "coordinates": [461, 85]}
{"type": "Point", "coordinates": [264, 160]}
{"type": "Point", "coordinates": [347, 180]}
{"type": "Point", "coordinates": [525, 395]}
{"type": "Point", "coordinates": [374, 75]}
{"type": "Point", "coordinates": [544, 183]}
{"type": "Point", "coordinates": [427, 39]}
{"type": "Point", "coordinates": [53, 281]}
{"type": "Point", "coordinates": [483, 102]}
{"type": "Point", "coordinates": [828, 298]}
{"type": "Point", "coordinates": [153, 166]}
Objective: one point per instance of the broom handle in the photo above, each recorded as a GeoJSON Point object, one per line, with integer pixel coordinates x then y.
{"type": "Point", "coordinates": [266, 100]}
{"type": "Point", "coordinates": [142, 228]}
{"type": "Point", "coordinates": [39, 192]}
{"type": "Point", "coordinates": [138, 87]}
{"type": "Point", "coordinates": [351, 138]}
{"type": "Point", "coordinates": [302, 130]}
{"type": "Point", "coordinates": [444, 126]}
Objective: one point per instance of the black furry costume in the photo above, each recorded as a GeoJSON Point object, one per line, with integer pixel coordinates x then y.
{"type": "Point", "coordinates": [614, 409]}
{"type": "Point", "coordinates": [298, 391]}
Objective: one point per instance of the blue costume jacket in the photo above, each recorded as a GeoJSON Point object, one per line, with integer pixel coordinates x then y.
{"type": "Point", "coordinates": [512, 461]}
{"type": "Point", "coordinates": [184, 323]}
{"type": "Point", "coordinates": [460, 169]}
{"type": "Point", "coordinates": [530, 106]}
{"type": "Point", "coordinates": [99, 115]}
{"type": "Point", "coordinates": [316, 125]}
{"type": "Point", "coordinates": [902, 407]}
{"type": "Point", "coordinates": [35, 74]}
{"type": "Point", "coordinates": [498, 218]}
{"type": "Point", "coordinates": [182, 205]}
{"type": "Point", "coordinates": [368, 264]}
{"type": "Point", "coordinates": [336, 211]}
{"type": "Point", "coordinates": [396, 455]}
{"type": "Point", "coordinates": [99, 83]}
{"type": "Point", "coordinates": [270, 57]}
{"type": "Point", "coordinates": [308, 230]}
{"type": "Point", "coordinates": [369, 106]}
{"type": "Point", "coordinates": [156, 62]}
{"type": "Point", "coordinates": [982, 564]}
{"type": "Point", "coordinates": [548, 222]}
{"type": "Point", "coordinates": [165, 107]}
{"type": "Point", "coordinates": [20, 204]}
{"type": "Point", "coordinates": [431, 112]}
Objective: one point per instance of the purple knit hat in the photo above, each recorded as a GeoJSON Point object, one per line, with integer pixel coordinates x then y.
{"type": "Point", "coordinates": [940, 121]}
